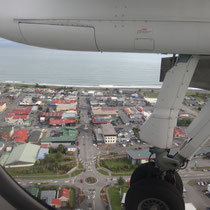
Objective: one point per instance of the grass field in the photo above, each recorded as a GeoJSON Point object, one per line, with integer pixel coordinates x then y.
{"type": "Point", "coordinates": [122, 174]}
{"type": "Point", "coordinates": [115, 196]}
{"type": "Point", "coordinates": [76, 172]}
{"type": "Point", "coordinates": [103, 172]}
{"type": "Point", "coordinates": [119, 165]}
{"type": "Point", "coordinates": [80, 166]}
{"type": "Point", "coordinates": [151, 94]}
{"type": "Point", "coordinates": [72, 198]}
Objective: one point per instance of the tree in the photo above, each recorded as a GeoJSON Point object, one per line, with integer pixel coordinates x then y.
{"type": "Point", "coordinates": [34, 99]}
{"type": "Point", "coordinates": [121, 181]}
{"type": "Point", "coordinates": [36, 85]}
{"type": "Point", "coordinates": [58, 155]}
{"type": "Point", "coordinates": [61, 148]}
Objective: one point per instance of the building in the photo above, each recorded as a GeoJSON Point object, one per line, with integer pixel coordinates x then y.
{"type": "Point", "coordinates": [179, 133]}
{"type": "Point", "coordinates": [109, 134]}
{"type": "Point", "coordinates": [22, 156]}
{"type": "Point", "coordinates": [51, 114]}
{"type": "Point", "coordinates": [125, 120]}
{"type": "Point", "coordinates": [69, 101]}
{"type": "Point", "coordinates": [139, 156]}
{"type": "Point", "coordinates": [20, 136]}
{"type": "Point", "coordinates": [100, 120]}
{"type": "Point", "coordinates": [67, 122]}
{"type": "Point", "coordinates": [63, 194]}
{"type": "Point", "coordinates": [66, 107]}
{"type": "Point", "coordinates": [69, 115]}
{"type": "Point", "coordinates": [56, 203]}
{"type": "Point", "coordinates": [6, 132]}
{"type": "Point", "coordinates": [68, 135]}
{"type": "Point", "coordinates": [19, 116]}
{"type": "Point", "coordinates": [42, 153]}
{"type": "Point", "coordinates": [142, 156]}
{"type": "Point", "coordinates": [33, 190]}
{"type": "Point", "coordinates": [72, 148]}
{"type": "Point", "coordinates": [151, 101]}
{"type": "Point", "coordinates": [3, 106]}
{"type": "Point", "coordinates": [102, 112]}
{"type": "Point", "coordinates": [98, 136]}
{"type": "Point", "coordinates": [1, 145]}
{"type": "Point", "coordinates": [27, 101]}
{"type": "Point", "coordinates": [47, 196]}
{"type": "Point", "coordinates": [45, 117]}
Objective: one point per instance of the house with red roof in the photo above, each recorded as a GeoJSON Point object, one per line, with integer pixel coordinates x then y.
{"type": "Point", "coordinates": [19, 116]}
{"type": "Point", "coordinates": [63, 194]}
{"type": "Point", "coordinates": [45, 146]}
{"type": "Point", "coordinates": [62, 122]}
{"type": "Point", "coordinates": [56, 203]}
{"type": "Point", "coordinates": [179, 133]}
{"type": "Point", "coordinates": [20, 136]}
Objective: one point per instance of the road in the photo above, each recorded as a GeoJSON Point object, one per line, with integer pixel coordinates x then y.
{"type": "Point", "coordinates": [88, 154]}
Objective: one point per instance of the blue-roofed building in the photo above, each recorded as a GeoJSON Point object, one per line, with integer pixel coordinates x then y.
{"type": "Point", "coordinates": [1, 145]}
{"type": "Point", "coordinates": [42, 152]}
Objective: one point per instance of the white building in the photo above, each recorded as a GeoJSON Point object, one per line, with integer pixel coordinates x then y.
{"type": "Point", "coordinates": [152, 101]}
{"type": "Point", "coordinates": [27, 100]}
{"type": "Point", "coordinates": [109, 134]}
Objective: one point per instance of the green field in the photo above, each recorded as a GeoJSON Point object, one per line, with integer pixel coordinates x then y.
{"type": "Point", "coordinates": [122, 174]}
{"type": "Point", "coordinates": [80, 166]}
{"type": "Point", "coordinates": [72, 198]}
{"type": "Point", "coordinates": [119, 165]}
{"type": "Point", "coordinates": [76, 172]}
{"type": "Point", "coordinates": [103, 172]}
{"type": "Point", "coordinates": [115, 196]}
{"type": "Point", "coordinates": [150, 94]}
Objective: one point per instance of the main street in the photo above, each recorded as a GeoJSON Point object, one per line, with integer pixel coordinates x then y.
{"type": "Point", "coordinates": [88, 154]}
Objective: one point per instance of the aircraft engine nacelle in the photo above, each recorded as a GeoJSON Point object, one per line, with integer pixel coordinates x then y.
{"type": "Point", "coordinates": [181, 27]}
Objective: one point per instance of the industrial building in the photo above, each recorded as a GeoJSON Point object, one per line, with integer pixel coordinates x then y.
{"type": "Point", "coordinates": [22, 156]}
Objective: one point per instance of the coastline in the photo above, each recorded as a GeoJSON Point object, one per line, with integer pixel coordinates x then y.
{"type": "Point", "coordinates": [82, 86]}
{"type": "Point", "coordinates": [47, 85]}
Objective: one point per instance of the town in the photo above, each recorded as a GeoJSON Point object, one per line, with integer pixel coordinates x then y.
{"type": "Point", "coordinates": [76, 148]}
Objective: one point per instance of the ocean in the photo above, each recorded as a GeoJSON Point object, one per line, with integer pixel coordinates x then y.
{"type": "Point", "coordinates": [26, 64]}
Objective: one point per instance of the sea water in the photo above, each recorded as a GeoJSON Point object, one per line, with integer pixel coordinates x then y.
{"type": "Point", "coordinates": [28, 64]}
